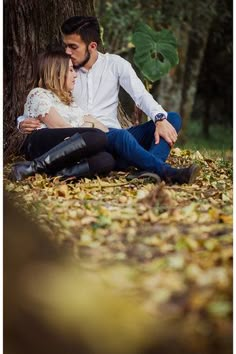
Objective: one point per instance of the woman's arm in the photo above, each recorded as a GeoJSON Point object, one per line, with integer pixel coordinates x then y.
{"type": "Point", "coordinates": [90, 121]}
{"type": "Point", "coordinates": [53, 119]}
{"type": "Point", "coordinates": [41, 104]}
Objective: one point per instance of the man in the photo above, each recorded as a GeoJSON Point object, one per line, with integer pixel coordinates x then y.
{"type": "Point", "coordinates": [97, 86]}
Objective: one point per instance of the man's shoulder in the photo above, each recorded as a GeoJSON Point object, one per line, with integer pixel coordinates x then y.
{"type": "Point", "coordinates": [114, 58]}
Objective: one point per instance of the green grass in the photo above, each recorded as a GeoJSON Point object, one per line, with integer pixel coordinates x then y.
{"type": "Point", "coordinates": [220, 141]}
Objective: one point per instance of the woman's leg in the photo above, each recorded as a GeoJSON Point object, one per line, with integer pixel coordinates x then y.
{"type": "Point", "coordinates": [66, 153]}
{"type": "Point", "coordinates": [42, 140]}
{"type": "Point", "coordinates": [99, 164]}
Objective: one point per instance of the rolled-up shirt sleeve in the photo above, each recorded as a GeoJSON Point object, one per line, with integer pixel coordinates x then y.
{"type": "Point", "coordinates": [135, 88]}
{"type": "Point", "coordinates": [19, 120]}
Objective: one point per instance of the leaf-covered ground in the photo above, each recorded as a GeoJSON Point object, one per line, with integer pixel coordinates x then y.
{"type": "Point", "coordinates": [170, 247]}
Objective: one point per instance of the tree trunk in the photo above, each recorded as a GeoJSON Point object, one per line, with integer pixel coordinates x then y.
{"type": "Point", "coordinates": [192, 70]}
{"type": "Point", "coordinates": [29, 27]}
{"type": "Point", "coordinates": [124, 119]}
{"type": "Point", "coordinates": [170, 87]}
{"type": "Point", "coordinates": [177, 90]}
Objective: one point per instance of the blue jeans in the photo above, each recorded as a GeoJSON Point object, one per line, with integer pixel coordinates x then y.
{"type": "Point", "coordinates": [136, 146]}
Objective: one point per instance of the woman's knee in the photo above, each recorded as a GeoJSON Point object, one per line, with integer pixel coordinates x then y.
{"type": "Point", "coordinates": [107, 161]}
{"type": "Point", "coordinates": [101, 163]}
{"type": "Point", "coordinates": [175, 120]}
{"type": "Point", "coordinates": [95, 137]}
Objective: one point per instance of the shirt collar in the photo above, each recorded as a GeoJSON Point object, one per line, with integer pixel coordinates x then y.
{"type": "Point", "coordinates": [99, 58]}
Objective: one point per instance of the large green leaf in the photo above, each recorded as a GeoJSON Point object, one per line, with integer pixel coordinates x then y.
{"type": "Point", "coordinates": [155, 52]}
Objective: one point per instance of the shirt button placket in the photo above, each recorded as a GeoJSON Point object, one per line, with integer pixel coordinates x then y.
{"type": "Point", "coordinates": [90, 90]}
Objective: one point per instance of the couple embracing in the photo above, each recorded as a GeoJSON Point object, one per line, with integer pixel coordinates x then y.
{"type": "Point", "coordinates": [70, 115]}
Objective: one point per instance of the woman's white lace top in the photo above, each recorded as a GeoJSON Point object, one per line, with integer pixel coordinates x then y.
{"type": "Point", "coordinates": [39, 101]}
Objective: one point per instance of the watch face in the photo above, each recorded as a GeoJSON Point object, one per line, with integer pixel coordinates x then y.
{"type": "Point", "coordinates": [159, 117]}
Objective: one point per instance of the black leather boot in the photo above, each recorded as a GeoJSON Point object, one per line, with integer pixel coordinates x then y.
{"type": "Point", "coordinates": [182, 175]}
{"type": "Point", "coordinates": [79, 170]}
{"type": "Point", "coordinates": [70, 150]}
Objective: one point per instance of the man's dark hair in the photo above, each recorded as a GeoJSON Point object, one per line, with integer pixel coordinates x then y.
{"type": "Point", "coordinates": [86, 26]}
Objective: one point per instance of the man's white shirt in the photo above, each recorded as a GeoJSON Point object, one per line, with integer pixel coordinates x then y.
{"type": "Point", "coordinates": [96, 90]}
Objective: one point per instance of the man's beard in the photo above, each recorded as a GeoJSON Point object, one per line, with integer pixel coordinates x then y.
{"type": "Point", "coordinates": [87, 58]}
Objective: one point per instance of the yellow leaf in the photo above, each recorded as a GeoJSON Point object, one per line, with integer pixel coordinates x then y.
{"type": "Point", "coordinates": [197, 156]}
{"type": "Point", "coordinates": [226, 219]}
{"type": "Point", "coordinates": [62, 191]}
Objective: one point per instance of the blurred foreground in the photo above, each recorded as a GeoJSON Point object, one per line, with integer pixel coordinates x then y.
{"type": "Point", "coordinates": [116, 267]}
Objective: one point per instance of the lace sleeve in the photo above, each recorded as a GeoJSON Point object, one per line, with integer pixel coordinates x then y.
{"type": "Point", "coordinates": [38, 103]}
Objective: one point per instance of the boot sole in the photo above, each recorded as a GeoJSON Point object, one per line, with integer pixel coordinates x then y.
{"type": "Point", "coordinates": [144, 175]}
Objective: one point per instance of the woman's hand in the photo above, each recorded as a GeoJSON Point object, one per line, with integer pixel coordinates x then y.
{"type": "Point", "coordinates": [91, 122]}
{"type": "Point", "coordinates": [28, 125]}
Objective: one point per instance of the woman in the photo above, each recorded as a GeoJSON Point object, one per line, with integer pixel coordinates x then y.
{"type": "Point", "coordinates": [63, 145]}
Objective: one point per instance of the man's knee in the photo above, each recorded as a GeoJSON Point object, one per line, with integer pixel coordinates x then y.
{"type": "Point", "coordinates": [143, 131]}
{"type": "Point", "coordinates": [175, 120]}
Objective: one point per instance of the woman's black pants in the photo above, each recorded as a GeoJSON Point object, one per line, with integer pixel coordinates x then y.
{"type": "Point", "coordinates": [42, 140]}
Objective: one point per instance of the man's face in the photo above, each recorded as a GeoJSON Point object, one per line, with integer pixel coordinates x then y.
{"type": "Point", "coordinates": [77, 49]}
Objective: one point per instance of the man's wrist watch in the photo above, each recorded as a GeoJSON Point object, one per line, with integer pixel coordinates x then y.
{"type": "Point", "coordinates": [159, 117]}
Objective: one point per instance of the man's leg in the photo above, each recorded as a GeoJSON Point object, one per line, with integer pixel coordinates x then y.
{"type": "Point", "coordinates": [128, 152]}
{"type": "Point", "coordinates": [144, 134]}
{"type": "Point", "coordinates": [162, 150]}
{"type": "Point", "coordinates": [122, 143]}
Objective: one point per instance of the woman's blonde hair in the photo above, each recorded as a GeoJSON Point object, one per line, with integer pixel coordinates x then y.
{"type": "Point", "coordinates": [50, 73]}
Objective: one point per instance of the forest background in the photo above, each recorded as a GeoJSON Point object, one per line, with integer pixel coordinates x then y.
{"type": "Point", "coordinates": [110, 265]}
{"type": "Point", "coordinates": [200, 87]}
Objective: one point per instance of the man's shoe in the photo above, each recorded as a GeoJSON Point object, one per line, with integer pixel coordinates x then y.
{"type": "Point", "coordinates": [182, 175]}
{"type": "Point", "coordinates": [144, 175]}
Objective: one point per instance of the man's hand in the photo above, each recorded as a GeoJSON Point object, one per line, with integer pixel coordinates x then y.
{"type": "Point", "coordinates": [165, 130]}
{"type": "Point", "coordinates": [28, 125]}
